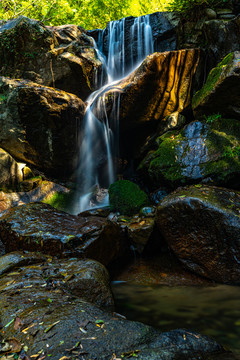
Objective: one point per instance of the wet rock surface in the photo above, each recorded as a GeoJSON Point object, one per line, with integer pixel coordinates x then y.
{"type": "Point", "coordinates": [221, 93]}
{"type": "Point", "coordinates": [61, 56]}
{"type": "Point", "coordinates": [201, 225]}
{"type": "Point", "coordinates": [203, 151]}
{"type": "Point", "coordinates": [52, 322]}
{"type": "Point", "coordinates": [40, 227]}
{"type": "Point", "coordinates": [10, 170]}
{"type": "Point", "coordinates": [39, 125]}
{"type": "Point", "coordinates": [86, 279]}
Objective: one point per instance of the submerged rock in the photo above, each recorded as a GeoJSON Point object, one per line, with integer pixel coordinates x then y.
{"type": "Point", "coordinates": [40, 227]}
{"type": "Point", "coordinates": [39, 125]}
{"type": "Point", "coordinates": [62, 56]}
{"type": "Point", "coordinates": [201, 224]}
{"type": "Point", "coordinates": [203, 151]}
{"type": "Point", "coordinates": [221, 92]}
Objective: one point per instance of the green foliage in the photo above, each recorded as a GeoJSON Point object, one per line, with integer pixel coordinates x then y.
{"type": "Point", "coordinates": [232, 152]}
{"type": "Point", "coordinates": [89, 14]}
{"type": "Point", "coordinates": [126, 197]}
{"type": "Point", "coordinates": [60, 200]}
{"type": "Point", "coordinates": [210, 119]}
{"type": "Point", "coordinates": [194, 8]}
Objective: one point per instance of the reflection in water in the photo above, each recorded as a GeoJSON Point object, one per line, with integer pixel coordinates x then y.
{"type": "Point", "coordinates": [211, 310]}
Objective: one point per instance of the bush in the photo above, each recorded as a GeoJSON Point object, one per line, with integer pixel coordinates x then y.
{"type": "Point", "coordinates": [126, 197]}
{"type": "Point", "coordinates": [194, 8]}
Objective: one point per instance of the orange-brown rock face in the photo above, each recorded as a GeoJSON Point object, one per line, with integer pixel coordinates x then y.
{"type": "Point", "coordinates": [160, 86]}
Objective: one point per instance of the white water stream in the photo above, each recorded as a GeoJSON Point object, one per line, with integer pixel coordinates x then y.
{"type": "Point", "coordinates": [99, 136]}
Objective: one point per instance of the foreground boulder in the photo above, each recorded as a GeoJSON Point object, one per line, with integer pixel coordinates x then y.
{"type": "Point", "coordinates": [203, 151]}
{"type": "Point", "coordinates": [50, 316]}
{"type": "Point", "coordinates": [86, 279]}
{"type": "Point", "coordinates": [39, 125]}
{"type": "Point", "coordinates": [61, 56]}
{"type": "Point", "coordinates": [221, 92]}
{"type": "Point", "coordinates": [201, 224]}
{"type": "Point", "coordinates": [40, 227]}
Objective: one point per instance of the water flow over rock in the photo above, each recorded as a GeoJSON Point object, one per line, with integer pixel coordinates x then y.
{"type": "Point", "coordinates": [99, 142]}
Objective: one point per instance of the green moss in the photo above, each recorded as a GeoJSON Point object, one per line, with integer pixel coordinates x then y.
{"type": "Point", "coordinates": [60, 200]}
{"type": "Point", "coordinates": [126, 197]}
{"type": "Point", "coordinates": [212, 80]}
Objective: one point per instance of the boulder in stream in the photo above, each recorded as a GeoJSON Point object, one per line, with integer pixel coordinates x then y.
{"type": "Point", "coordinates": [201, 224]}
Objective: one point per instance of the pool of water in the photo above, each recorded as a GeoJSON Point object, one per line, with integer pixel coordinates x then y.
{"type": "Point", "coordinates": [213, 310]}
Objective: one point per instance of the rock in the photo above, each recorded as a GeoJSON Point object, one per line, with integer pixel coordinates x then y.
{"type": "Point", "coordinates": [210, 13]}
{"type": "Point", "coordinates": [45, 123]}
{"type": "Point", "coordinates": [203, 151]}
{"type": "Point", "coordinates": [201, 225]}
{"type": "Point", "coordinates": [85, 279]}
{"type": "Point", "coordinates": [139, 232]}
{"type": "Point", "coordinates": [10, 171]}
{"type": "Point", "coordinates": [174, 121]}
{"type": "Point", "coordinates": [48, 192]}
{"type": "Point", "coordinates": [221, 92]}
{"type": "Point", "coordinates": [222, 37]}
{"type": "Point", "coordinates": [40, 227]}
{"type": "Point", "coordinates": [17, 259]}
{"type": "Point", "coordinates": [50, 315]}
{"type": "Point", "coordinates": [30, 184]}
{"type": "Point", "coordinates": [62, 56]}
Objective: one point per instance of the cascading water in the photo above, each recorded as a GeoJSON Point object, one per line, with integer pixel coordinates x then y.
{"type": "Point", "coordinates": [99, 134]}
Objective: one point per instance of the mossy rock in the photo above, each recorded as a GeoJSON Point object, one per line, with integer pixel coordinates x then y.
{"type": "Point", "coordinates": [221, 92]}
{"type": "Point", "coordinates": [126, 197]}
{"type": "Point", "coordinates": [201, 151]}
{"type": "Point", "coordinates": [60, 200]}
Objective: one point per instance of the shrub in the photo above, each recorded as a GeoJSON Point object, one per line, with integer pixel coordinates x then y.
{"type": "Point", "coordinates": [126, 197]}
{"type": "Point", "coordinates": [194, 8]}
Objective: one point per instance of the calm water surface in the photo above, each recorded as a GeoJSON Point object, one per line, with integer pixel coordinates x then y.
{"type": "Point", "coordinates": [213, 310]}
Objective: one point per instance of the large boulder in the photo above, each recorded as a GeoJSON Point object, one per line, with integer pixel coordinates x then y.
{"type": "Point", "coordinates": [49, 315]}
{"type": "Point", "coordinates": [40, 227]}
{"type": "Point", "coordinates": [86, 279]}
{"type": "Point", "coordinates": [160, 86]}
{"type": "Point", "coordinates": [40, 125]}
{"type": "Point", "coordinates": [221, 92]}
{"type": "Point", "coordinates": [202, 151]}
{"type": "Point", "coordinates": [61, 56]}
{"type": "Point", "coordinates": [222, 37]}
{"type": "Point", "coordinates": [201, 224]}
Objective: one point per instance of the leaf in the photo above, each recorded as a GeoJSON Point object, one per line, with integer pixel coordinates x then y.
{"type": "Point", "coordinates": [99, 322]}
{"type": "Point", "coordinates": [10, 322]}
{"type": "Point", "coordinates": [49, 300]}
{"type": "Point", "coordinates": [15, 345]}
{"type": "Point", "coordinates": [51, 326]}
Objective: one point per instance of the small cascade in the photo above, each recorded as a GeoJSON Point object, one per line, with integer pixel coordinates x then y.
{"type": "Point", "coordinates": [99, 134]}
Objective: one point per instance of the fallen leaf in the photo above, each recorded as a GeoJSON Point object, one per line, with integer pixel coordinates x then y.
{"type": "Point", "coordinates": [51, 326]}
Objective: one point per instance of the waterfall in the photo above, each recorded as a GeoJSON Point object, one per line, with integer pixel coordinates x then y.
{"type": "Point", "coordinates": [99, 132]}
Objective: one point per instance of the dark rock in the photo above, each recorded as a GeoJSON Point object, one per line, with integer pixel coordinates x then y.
{"type": "Point", "coordinates": [203, 151]}
{"type": "Point", "coordinates": [54, 322]}
{"type": "Point", "coordinates": [45, 122]}
{"type": "Point", "coordinates": [40, 227]}
{"type": "Point", "coordinates": [201, 225]}
{"type": "Point", "coordinates": [222, 37]}
{"type": "Point", "coordinates": [85, 279]}
{"type": "Point", "coordinates": [62, 56]}
{"type": "Point", "coordinates": [221, 92]}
